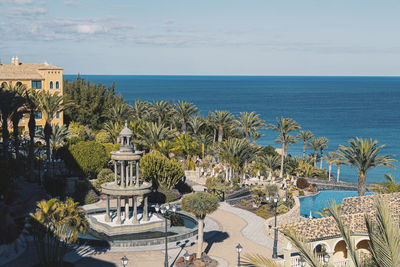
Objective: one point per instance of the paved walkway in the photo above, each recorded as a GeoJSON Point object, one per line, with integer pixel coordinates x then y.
{"type": "Point", "coordinates": [254, 229]}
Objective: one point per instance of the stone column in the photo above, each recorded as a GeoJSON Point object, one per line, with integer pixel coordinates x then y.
{"type": "Point", "coordinates": [119, 209]}
{"type": "Point", "coordinates": [134, 215]}
{"type": "Point", "coordinates": [107, 216]}
{"type": "Point", "coordinates": [127, 175]}
{"type": "Point", "coordinates": [126, 208]}
{"type": "Point", "coordinates": [145, 209]}
{"type": "Point", "coordinates": [137, 173]}
{"type": "Point", "coordinates": [116, 171]}
{"type": "Point", "coordinates": [123, 173]}
{"type": "Point", "coordinates": [130, 173]}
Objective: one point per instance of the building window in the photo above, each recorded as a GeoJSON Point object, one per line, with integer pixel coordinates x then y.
{"type": "Point", "coordinates": [37, 84]}
{"type": "Point", "coordinates": [18, 84]}
{"type": "Point", "coordinates": [38, 128]}
{"type": "Point", "coordinates": [57, 115]}
{"type": "Point", "coordinates": [57, 85]}
{"type": "Point", "coordinates": [51, 85]}
{"type": "Point", "coordinates": [38, 115]}
{"type": "Point", "coordinates": [3, 85]}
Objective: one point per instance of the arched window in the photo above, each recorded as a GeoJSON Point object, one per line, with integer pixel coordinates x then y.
{"type": "Point", "coordinates": [51, 85]}
{"type": "Point", "coordinates": [57, 85]}
{"type": "Point", "coordinates": [18, 84]}
{"type": "Point", "coordinates": [3, 85]}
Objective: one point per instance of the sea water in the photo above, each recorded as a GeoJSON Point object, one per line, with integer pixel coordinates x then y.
{"type": "Point", "coordinates": [338, 108]}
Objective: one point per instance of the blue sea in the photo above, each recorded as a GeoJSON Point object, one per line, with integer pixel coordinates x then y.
{"type": "Point", "coordinates": [338, 108]}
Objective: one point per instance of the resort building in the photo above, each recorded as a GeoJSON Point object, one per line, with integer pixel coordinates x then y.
{"type": "Point", "coordinates": [325, 238]}
{"type": "Point", "coordinates": [40, 76]}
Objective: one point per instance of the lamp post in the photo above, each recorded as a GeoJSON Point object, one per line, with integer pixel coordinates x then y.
{"type": "Point", "coordinates": [164, 211]}
{"type": "Point", "coordinates": [239, 249]}
{"type": "Point", "coordinates": [124, 261]}
{"type": "Point", "coordinates": [186, 257]}
{"type": "Point", "coordinates": [326, 259]}
{"type": "Point", "coordinates": [274, 202]}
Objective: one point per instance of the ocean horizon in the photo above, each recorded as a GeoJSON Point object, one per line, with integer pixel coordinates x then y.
{"type": "Point", "coordinates": [337, 107]}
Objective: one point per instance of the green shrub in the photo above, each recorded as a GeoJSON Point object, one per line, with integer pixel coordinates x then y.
{"type": "Point", "coordinates": [271, 189]}
{"type": "Point", "coordinates": [244, 203]}
{"type": "Point", "coordinates": [183, 187]}
{"type": "Point", "coordinates": [110, 147]}
{"type": "Point", "coordinates": [160, 170]}
{"type": "Point", "coordinates": [73, 140]}
{"type": "Point", "coordinates": [104, 176]}
{"type": "Point", "coordinates": [88, 157]}
{"type": "Point", "coordinates": [301, 193]}
{"type": "Point", "coordinates": [217, 183]}
{"type": "Point", "coordinates": [103, 137]}
{"type": "Point", "coordinates": [81, 131]}
{"type": "Point", "coordinates": [91, 197]}
{"type": "Point", "coordinates": [263, 212]}
{"type": "Point", "coordinates": [282, 209]}
{"type": "Point", "coordinates": [164, 195]}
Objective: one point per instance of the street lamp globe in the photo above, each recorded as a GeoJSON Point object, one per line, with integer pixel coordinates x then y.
{"type": "Point", "coordinates": [124, 261]}
{"type": "Point", "coordinates": [186, 256]}
{"type": "Point", "coordinates": [284, 199]}
{"type": "Point", "coordinates": [276, 198]}
{"type": "Point", "coordinates": [157, 208]}
{"type": "Point", "coordinates": [326, 258]}
{"type": "Point", "coordinates": [173, 208]}
{"type": "Point", "coordinates": [239, 248]}
{"type": "Point", "coordinates": [267, 198]}
{"type": "Point", "coordinates": [167, 207]}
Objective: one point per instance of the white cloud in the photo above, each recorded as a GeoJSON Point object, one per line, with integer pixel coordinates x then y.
{"type": "Point", "coordinates": [72, 3]}
{"type": "Point", "coordinates": [16, 2]}
{"type": "Point", "coordinates": [89, 29]}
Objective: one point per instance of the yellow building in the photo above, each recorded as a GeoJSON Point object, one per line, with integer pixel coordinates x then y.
{"type": "Point", "coordinates": [40, 76]}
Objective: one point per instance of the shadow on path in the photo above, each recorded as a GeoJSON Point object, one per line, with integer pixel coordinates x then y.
{"type": "Point", "coordinates": [217, 237]}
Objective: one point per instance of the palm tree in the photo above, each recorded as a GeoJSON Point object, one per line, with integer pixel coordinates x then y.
{"type": "Point", "coordinates": [57, 137]}
{"type": "Point", "coordinates": [113, 129]}
{"type": "Point", "coordinates": [120, 112]}
{"type": "Point", "coordinates": [315, 145]}
{"type": "Point", "coordinates": [363, 155]}
{"type": "Point", "coordinates": [283, 126]}
{"type": "Point", "coordinates": [200, 204]}
{"type": "Point", "coordinates": [305, 136]}
{"type": "Point", "coordinates": [50, 104]}
{"type": "Point", "coordinates": [183, 111]}
{"type": "Point", "coordinates": [136, 126]}
{"type": "Point", "coordinates": [152, 134]}
{"type": "Point", "coordinates": [323, 142]}
{"type": "Point", "coordinates": [211, 123]}
{"type": "Point", "coordinates": [223, 120]}
{"type": "Point", "coordinates": [289, 140]}
{"type": "Point", "coordinates": [204, 140]}
{"type": "Point", "coordinates": [140, 109]}
{"type": "Point", "coordinates": [339, 162]}
{"type": "Point", "coordinates": [19, 110]}
{"type": "Point", "coordinates": [389, 186]}
{"type": "Point", "coordinates": [196, 123]}
{"type": "Point", "coordinates": [160, 110]}
{"type": "Point", "coordinates": [256, 135]}
{"type": "Point", "coordinates": [270, 162]}
{"type": "Point", "coordinates": [330, 159]}
{"type": "Point", "coordinates": [32, 106]}
{"type": "Point", "coordinates": [164, 147]}
{"type": "Point", "coordinates": [249, 122]}
{"type": "Point", "coordinates": [185, 146]}
{"type": "Point", "coordinates": [10, 101]}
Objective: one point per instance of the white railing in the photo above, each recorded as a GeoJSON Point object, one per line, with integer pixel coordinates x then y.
{"type": "Point", "coordinates": [341, 263]}
{"type": "Point", "coordinates": [295, 261]}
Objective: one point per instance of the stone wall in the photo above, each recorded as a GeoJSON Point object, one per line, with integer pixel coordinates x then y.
{"type": "Point", "coordinates": [292, 216]}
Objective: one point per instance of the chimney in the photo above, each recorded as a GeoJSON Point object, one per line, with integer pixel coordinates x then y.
{"type": "Point", "coordinates": [12, 60]}
{"type": "Point", "coordinates": [16, 61]}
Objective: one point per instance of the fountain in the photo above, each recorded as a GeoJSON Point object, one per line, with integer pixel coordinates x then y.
{"type": "Point", "coordinates": [132, 224]}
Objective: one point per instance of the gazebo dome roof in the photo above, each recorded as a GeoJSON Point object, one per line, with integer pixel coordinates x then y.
{"type": "Point", "coordinates": [126, 131]}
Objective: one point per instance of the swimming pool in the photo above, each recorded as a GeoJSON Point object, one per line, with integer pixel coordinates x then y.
{"type": "Point", "coordinates": [322, 199]}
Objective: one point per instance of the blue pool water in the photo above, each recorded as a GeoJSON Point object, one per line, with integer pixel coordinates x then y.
{"type": "Point", "coordinates": [322, 199]}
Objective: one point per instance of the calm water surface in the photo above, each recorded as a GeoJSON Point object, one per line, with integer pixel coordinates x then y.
{"type": "Point", "coordinates": [336, 107]}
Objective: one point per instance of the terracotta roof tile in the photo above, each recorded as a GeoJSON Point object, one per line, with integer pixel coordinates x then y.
{"type": "Point", "coordinates": [24, 71]}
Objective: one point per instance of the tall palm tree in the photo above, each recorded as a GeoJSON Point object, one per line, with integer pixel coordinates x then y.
{"type": "Point", "coordinates": [270, 162]}
{"type": "Point", "coordinates": [32, 104]}
{"type": "Point", "coordinates": [315, 145]}
{"type": "Point", "coordinates": [389, 186]}
{"type": "Point", "coordinates": [18, 113]}
{"type": "Point", "coordinates": [196, 123]}
{"type": "Point", "coordinates": [204, 140]}
{"type": "Point", "coordinates": [283, 126]}
{"type": "Point", "coordinates": [323, 142]}
{"type": "Point", "coordinates": [223, 120]}
{"type": "Point", "coordinates": [289, 140]}
{"type": "Point", "coordinates": [50, 104]}
{"type": "Point", "coordinates": [140, 109]}
{"type": "Point", "coordinates": [183, 111]}
{"type": "Point", "coordinates": [339, 162]}
{"type": "Point", "coordinates": [363, 155]}
{"type": "Point", "coordinates": [136, 126]}
{"type": "Point", "coordinates": [113, 129]}
{"type": "Point", "coordinates": [330, 159]}
{"type": "Point", "coordinates": [153, 134]}
{"type": "Point", "coordinates": [305, 136]}
{"type": "Point", "coordinates": [211, 123]}
{"type": "Point", "coordinates": [160, 110]}
{"type": "Point", "coordinates": [10, 102]}
{"type": "Point", "coordinates": [57, 137]}
{"type": "Point", "coordinates": [185, 146]}
{"type": "Point", "coordinates": [120, 112]}
{"type": "Point", "coordinates": [249, 122]}
{"type": "Point", "coordinates": [256, 135]}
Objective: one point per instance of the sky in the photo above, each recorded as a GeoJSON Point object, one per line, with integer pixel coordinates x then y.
{"type": "Point", "coordinates": [204, 37]}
